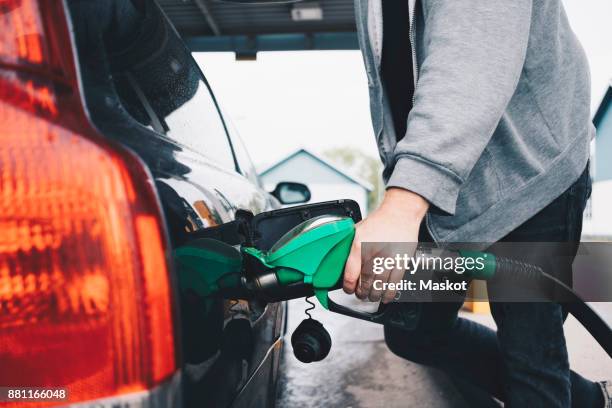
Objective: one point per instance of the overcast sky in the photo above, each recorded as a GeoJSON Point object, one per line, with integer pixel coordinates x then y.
{"type": "Point", "coordinates": [319, 99]}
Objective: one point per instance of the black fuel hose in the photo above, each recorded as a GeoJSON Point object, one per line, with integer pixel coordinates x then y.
{"type": "Point", "coordinates": [511, 269]}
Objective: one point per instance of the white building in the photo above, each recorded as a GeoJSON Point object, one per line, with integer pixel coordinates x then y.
{"type": "Point", "coordinates": [326, 180]}
{"type": "Point", "coordinates": [598, 216]}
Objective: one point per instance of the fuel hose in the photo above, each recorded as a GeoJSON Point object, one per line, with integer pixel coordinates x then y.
{"type": "Point", "coordinates": [507, 269]}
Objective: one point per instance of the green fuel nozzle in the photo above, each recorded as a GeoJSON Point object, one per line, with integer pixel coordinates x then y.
{"type": "Point", "coordinates": [312, 255]}
{"type": "Point", "coordinates": [309, 260]}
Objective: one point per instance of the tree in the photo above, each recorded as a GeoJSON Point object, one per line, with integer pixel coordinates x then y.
{"type": "Point", "coordinates": [362, 165]}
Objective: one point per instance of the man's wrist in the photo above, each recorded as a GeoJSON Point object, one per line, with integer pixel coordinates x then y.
{"type": "Point", "coordinates": [406, 203]}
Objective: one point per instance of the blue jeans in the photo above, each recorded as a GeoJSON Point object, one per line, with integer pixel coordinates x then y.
{"type": "Point", "coordinates": [524, 363]}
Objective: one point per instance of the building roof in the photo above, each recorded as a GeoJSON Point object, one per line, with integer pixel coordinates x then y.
{"type": "Point", "coordinates": [603, 106]}
{"type": "Point", "coordinates": [334, 167]}
{"type": "Point", "coordinates": [209, 25]}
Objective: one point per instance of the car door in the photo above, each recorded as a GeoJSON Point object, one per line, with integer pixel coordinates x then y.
{"type": "Point", "coordinates": [144, 90]}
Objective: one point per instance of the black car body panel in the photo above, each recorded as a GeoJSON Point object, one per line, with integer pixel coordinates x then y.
{"type": "Point", "coordinates": [144, 91]}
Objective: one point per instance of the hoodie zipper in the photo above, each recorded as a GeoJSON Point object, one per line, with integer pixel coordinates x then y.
{"type": "Point", "coordinates": [415, 75]}
{"type": "Point", "coordinates": [415, 65]}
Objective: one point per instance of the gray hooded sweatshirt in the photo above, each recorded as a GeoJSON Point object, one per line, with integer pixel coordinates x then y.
{"type": "Point", "coordinates": [501, 121]}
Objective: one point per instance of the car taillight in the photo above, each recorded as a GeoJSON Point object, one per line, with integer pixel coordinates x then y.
{"type": "Point", "coordinates": [85, 295]}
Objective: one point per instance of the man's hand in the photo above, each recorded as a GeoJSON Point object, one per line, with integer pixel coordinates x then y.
{"type": "Point", "coordinates": [396, 220]}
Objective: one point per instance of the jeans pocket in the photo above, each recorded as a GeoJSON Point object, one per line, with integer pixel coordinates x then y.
{"type": "Point", "coordinates": [589, 186]}
{"type": "Point", "coordinates": [580, 191]}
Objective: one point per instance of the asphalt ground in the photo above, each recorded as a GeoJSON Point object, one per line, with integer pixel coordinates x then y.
{"type": "Point", "coordinates": [360, 372]}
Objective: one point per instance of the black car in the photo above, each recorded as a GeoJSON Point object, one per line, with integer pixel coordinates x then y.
{"type": "Point", "coordinates": [113, 151]}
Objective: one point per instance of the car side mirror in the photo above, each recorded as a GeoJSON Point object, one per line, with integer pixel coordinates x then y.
{"type": "Point", "coordinates": [291, 193]}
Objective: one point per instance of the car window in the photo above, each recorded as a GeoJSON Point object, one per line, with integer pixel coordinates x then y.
{"type": "Point", "coordinates": [245, 164]}
{"type": "Point", "coordinates": [160, 85]}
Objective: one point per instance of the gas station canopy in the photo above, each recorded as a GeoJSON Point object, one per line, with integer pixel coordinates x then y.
{"type": "Point", "coordinates": [211, 25]}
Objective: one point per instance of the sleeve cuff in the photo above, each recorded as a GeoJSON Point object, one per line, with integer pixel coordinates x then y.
{"type": "Point", "coordinates": [438, 185]}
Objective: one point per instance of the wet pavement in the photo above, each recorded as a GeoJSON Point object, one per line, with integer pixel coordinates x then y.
{"type": "Point", "coordinates": [360, 372]}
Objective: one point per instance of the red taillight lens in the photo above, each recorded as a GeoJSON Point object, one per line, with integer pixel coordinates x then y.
{"type": "Point", "coordinates": [21, 37]}
{"type": "Point", "coordinates": [85, 296]}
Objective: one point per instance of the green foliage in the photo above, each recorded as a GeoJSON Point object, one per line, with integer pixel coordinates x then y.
{"type": "Point", "coordinates": [362, 165]}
